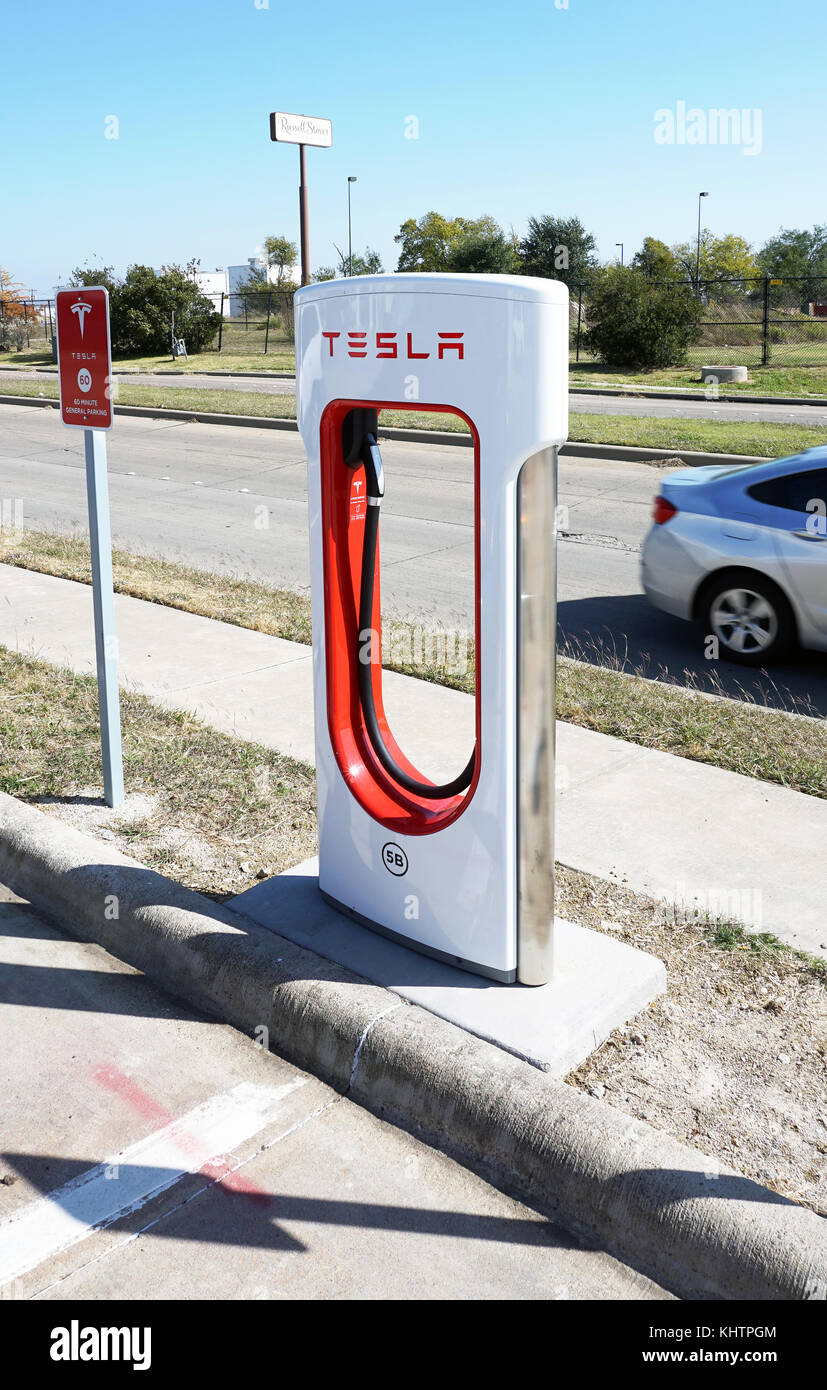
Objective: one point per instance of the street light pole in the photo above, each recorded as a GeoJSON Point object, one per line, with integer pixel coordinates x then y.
{"type": "Point", "coordinates": [620, 244]}
{"type": "Point", "coordinates": [351, 178]}
{"type": "Point", "coordinates": [698, 247]}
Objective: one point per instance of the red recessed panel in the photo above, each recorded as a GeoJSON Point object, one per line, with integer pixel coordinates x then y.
{"type": "Point", "coordinates": [343, 527]}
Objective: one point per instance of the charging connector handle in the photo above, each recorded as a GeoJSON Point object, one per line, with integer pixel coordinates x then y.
{"type": "Point", "coordinates": [375, 487]}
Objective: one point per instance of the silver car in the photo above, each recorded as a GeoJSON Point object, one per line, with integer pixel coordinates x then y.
{"type": "Point", "coordinates": [743, 551]}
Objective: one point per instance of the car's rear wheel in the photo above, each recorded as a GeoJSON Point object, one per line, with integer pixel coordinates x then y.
{"type": "Point", "coordinates": [749, 616]}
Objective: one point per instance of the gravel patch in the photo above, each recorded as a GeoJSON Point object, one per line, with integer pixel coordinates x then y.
{"type": "Point", "coordinates": [732, 1059]}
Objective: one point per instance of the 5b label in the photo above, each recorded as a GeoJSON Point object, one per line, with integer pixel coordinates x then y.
{"type": "Point", "coordinates": [394, 859]}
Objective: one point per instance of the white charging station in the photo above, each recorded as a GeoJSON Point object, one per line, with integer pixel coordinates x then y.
{"type": "Point", "coordinates": [463, 872]}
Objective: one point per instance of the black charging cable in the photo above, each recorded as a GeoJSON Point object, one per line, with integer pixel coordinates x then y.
{"type": "Point", "coordinates": [375, 488]}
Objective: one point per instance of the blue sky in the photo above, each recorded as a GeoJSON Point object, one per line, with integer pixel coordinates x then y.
{"type": "Point", "coordinates": [522, 108]}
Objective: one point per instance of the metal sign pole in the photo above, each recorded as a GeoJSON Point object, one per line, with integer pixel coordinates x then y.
{"type": "Point", "coordinates": [106, 642]}
{"type": "Point", "coordinates": [302, 131]}
{"type": "Point", "coordinates": [304, 228]}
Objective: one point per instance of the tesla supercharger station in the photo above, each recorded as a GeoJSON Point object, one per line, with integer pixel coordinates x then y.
{"type": "Point", "coordinates": [463, 871]}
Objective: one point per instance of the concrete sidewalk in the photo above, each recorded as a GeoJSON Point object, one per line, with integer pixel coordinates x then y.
{"type": "Point", "coordinates": [150, 1152]}
{"type": "Point", "coordinates": [689, 834]}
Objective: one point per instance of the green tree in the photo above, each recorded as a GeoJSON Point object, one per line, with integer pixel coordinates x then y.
{"type": "Point", "coordinates": [425, 244]}
{"type": "Point", "coordinates": [641, 323]}
{"type": "Point", "coordinates": [656, 260]}
{"type": "Point", "coordinates": [141, 307]}
{"type": "Point", "coordinates": [558, 248]}
{"type": "Point", "coordinates": [793, 254]}
{"type": "Point", "coordinates": [460, 244]}
{"type": "Point", "coordinates": [279, 255]}
{"type": "Point", "coordinates": [368, 264]}
{"type": "Point", "coordinates": [96, 275]}
{"type": "Point", "coordinates": [727, 257]}
{"type": "Point", "coordinates": [483, 249]}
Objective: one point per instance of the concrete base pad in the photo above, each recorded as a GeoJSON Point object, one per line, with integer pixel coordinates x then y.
{"type": "Point", "coordinates": [599, 983]}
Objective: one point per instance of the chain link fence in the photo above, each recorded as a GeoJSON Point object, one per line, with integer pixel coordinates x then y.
{"type": "Point", "coordinates": [752, 322]}
{"type": "Point", "coordinates": [26, 324]}
{"type": "Point", "coordinates": [255, 321]}
{"type": "Point", "coordinates": [250, 322]}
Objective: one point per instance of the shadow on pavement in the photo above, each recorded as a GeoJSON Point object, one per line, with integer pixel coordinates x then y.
{"type": "Point", "coordinates": [196, 1206]}
{"type": "Point", "coordinates": [625, 633]}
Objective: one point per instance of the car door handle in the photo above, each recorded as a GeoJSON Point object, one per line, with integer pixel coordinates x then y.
{"type": "Point", "coordinates": [811, 535]}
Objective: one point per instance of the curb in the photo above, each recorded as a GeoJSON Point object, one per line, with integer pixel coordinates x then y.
{"type": "Point", "coordinates": [653, 393]}
{"type": "Point", "coordinates": [620, 453]}
{"type": "Point", "coordinates": [160, 371]}
{"type": "Point", "coordinates": [150, 412]}
{"type": "Point", "coordinates": [649, 1200]}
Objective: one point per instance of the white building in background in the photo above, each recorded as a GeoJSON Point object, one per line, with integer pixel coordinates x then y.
{"type": "Point", "coordinates": [240, 274]}
{"type": "Point", "coordinates": [214, 283]}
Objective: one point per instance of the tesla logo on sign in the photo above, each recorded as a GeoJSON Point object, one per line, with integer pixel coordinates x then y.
{"type": "Point", "coordinates": [84, 357]}
{"type": "Point", "coordinates": [392, 344]}
{"type": "Point", "coordinates": [81, 309]}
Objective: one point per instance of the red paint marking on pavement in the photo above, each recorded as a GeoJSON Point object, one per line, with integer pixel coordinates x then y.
{"type": "Point", "coordinates": [219, 1171]}
{"type": "Point", "coordinates": [210, 1166]}
{"type": "Point", "coordinates": [109, 1076]}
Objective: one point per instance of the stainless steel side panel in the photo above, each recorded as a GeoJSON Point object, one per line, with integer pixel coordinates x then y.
{"type": "Point", "coordinates": [536, 671]}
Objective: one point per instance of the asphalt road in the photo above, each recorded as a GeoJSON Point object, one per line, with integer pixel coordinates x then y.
{"type": "Point", "coordinates": [234, 500]}
{"type": "Point", "coordinates": [588, 405]}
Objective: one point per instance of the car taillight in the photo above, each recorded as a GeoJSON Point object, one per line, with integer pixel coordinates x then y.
{"type": "Point", "coordinates": [662, 510]}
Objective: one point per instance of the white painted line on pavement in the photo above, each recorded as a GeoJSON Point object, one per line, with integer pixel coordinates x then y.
{"type": "Point", "coordinates": [126, 1182]}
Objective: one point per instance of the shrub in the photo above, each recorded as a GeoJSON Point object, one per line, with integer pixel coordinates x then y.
{"type": "Point", "coordinates": [639, 323]}
{"type": "Point", "coordinates": [142, 304]}
{"type": "Point", "coordinates": [482, 253]}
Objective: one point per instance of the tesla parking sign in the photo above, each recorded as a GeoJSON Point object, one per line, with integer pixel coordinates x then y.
{"type": "Point", "coordinates": [84, 358]}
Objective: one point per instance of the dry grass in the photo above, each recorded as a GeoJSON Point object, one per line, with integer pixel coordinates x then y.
{"type": "Point", "coordinates": [241, 601]}
{"type": "Point", "coordinates": [731, 1059]}
{"type": "Point", "coordinates": [734, 734]}
{"type": "Point", "coordinates": [731, 734]}
{"type": "Point", "coordinates": [200, 805]}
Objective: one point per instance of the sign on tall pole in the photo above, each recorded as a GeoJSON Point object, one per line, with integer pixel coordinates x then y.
{"type": "Point", "coordinates": [302, 131]}
{"type": "Point", "coordinates": [85, 373]}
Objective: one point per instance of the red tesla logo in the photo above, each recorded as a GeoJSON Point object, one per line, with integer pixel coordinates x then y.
{"type": "Point", "coordinates": [387, 344]}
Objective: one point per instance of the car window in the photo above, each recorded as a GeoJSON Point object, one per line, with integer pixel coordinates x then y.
{"type": "Point", "coordinates": [794, 491]}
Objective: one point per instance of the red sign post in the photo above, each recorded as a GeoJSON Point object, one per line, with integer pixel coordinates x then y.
{"type": "Point", "coordinates": [85, 370]}
{"type": "Point", "coordinates": [84, 358]}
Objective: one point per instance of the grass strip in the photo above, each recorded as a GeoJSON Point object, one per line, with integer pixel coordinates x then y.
{"type": "Point", "coordinates": [763, 381]}
{"type": "Point", "coordinates": [764, 440]}
{"type": "Point", "coordinates": [771, 380]}
{"type": "Point", "coordinates": [734, 735]}
{"type": "Point", "coordinates": [202, 801]}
